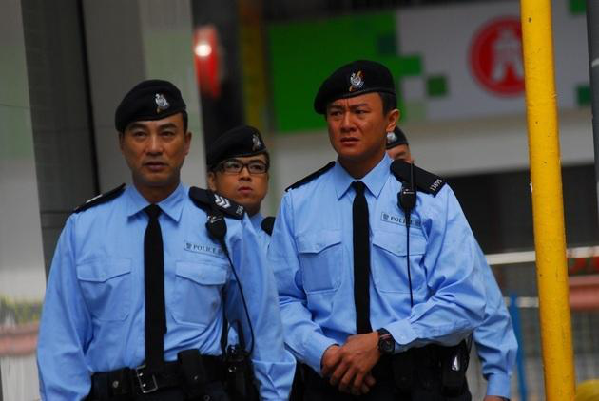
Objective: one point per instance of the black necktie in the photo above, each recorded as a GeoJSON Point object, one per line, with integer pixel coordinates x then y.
{"type": "Point", "coordinates": [361, 260]}
{"type": "Point", "coordinates": [154, 287]}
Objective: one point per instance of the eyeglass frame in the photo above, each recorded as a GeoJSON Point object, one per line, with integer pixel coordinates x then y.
{"type": "Point", "coordinates": [220, 166]}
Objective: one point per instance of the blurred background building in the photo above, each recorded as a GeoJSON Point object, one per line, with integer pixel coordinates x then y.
{"type": "Point", "coordinates": [459, 73]}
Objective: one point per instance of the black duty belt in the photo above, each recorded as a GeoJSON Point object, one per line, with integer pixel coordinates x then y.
{"type": "Point", "coordinates": [128, 381]}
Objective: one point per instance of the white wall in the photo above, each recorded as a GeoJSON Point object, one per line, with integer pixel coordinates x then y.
{"type": "Point", "coordinates": [129, 42]}
{"type": "Point", "coordinates": [22, 271]}
{"type": "Point", "coordinates": [22, 274]}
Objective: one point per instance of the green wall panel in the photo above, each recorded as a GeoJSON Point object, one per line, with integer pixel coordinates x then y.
{"type": "Point", "coordinates": [303, 54]}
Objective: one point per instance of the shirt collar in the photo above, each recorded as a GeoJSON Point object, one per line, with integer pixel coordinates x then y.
{"type": "Point", "coordinates": [374, 180]}
{"type": "Point", "coordinates": [257, 220]}
{"type": "Point", "coordinates": [171, 206]}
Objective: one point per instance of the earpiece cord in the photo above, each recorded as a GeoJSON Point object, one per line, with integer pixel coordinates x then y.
{"type": "Point", "coordinates": [245, 309]}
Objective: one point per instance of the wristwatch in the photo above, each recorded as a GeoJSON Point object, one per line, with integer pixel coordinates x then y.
{"type": "Point", "coordinates": [386, 344]}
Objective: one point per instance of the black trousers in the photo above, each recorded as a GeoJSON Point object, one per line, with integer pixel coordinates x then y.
{"type": "Point", "coordinates": [316, 388]}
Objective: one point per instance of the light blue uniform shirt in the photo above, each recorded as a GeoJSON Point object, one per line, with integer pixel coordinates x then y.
{"type": "Point", "coordinates": [495, 341]}
{"type": "Point", "coordinates": [263, 237]}
{"type": "Point", "coordinates": [311, 252]}
{"type": "Point", "coordinates": [93, 316]}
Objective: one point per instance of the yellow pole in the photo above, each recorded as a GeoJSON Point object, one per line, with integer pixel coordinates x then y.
{"type": "Point", "coordinates": [547, 200]}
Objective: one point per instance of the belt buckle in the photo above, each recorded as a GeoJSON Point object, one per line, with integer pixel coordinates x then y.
{"type": "Point", "coordinates": [143, 385]}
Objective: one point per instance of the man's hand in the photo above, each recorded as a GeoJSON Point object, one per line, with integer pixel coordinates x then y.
{"type": "Point", "coordinates": [357, 357]}
{"type": "Point", "coordinates": [495, 398]}
{"type": "Point", "coordinates": [329, 360]}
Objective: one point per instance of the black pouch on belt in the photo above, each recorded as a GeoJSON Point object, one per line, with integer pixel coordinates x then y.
{"type": "Point", "coordinates": [454, 364]}
{"type": "Point", "coordinates": [239, 374]}
{"type": "Point", "coordinates": [194, 374]}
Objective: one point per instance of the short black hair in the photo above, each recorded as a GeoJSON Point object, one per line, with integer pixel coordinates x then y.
{"type": "Point", "coordinates": [389, 101]}
{"type": "Point", "coordinates": [184, 121]}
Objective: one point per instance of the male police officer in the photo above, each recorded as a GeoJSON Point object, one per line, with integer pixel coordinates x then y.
{"type": "Point", "coordinates": [143, 276]}
{"type": "Point", "coordinates": [397, 146]}
{"type": "Point", "coordinates": [238, 164]}
{"type": "Point", "coordinates": [344, 264]}
{"type": "Point", "coordinates": [495, 341]}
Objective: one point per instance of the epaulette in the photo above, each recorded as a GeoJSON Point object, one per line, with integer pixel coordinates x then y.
{"type": "Point", "coordinates": [96, 200]}
{"type": "Point", "coordinates": [425, 181]}
{"type": "Point", "coordinates": [311, 177]}
{"type": "Point", "coordinates": [209, 201]}
{"type": "Point", "coordinates": [268, 223]}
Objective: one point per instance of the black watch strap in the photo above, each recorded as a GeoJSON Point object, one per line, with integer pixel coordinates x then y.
{"type": "Point", "coordinates": [386, 343]}
{"type": "Point", "coordinates": [382, 332]}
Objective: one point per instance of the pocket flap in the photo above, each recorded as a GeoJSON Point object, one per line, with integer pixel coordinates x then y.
{"type": "Point", "coordinates": [396, 244]}
{"type": "Point", "coordinates": [101, 270]}
{"type": "Point", "coordinates": [317, 241]}
{"type": "Point", "coordinates": [203, 273]}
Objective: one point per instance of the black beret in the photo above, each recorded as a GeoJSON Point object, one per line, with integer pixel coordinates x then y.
{"type": "Point", "coordinates": [148, 101]}
{"type": "Point", "coordinates": [395, 138]}
{"type": "Point", "coordinates": [241, 141]}
{"type": "Point", "coordinates": [354, 79]}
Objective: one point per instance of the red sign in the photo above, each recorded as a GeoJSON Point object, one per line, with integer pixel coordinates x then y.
{"type": "Point", "coordinates": [496, 57]}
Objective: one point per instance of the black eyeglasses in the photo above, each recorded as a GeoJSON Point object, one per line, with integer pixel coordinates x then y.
{"type": "Point", "coordinates": [234, 166]}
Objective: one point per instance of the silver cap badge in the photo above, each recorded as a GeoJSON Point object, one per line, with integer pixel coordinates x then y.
{"type": "Point", "coordinates": [161, 102]}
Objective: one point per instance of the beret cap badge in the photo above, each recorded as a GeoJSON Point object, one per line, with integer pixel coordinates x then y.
{"type": "Point", "coordinates": [391, 137]}
{"type": "Point", "coordinates": [161, 102]}
{"type": "Point", "coordinates": [256, 143]}
{"type": "Point", "coordinates": [356, 80]}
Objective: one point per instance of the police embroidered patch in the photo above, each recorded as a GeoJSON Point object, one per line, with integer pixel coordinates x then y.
{"type": "Point", "coordinates": [399, 220]}
{"type": "Point", "coordinates": [205, 249]}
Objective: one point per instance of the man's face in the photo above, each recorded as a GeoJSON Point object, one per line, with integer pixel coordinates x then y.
{"type": "Point", "coordinates": [358, 127]}
{"type": "Point", "coordinates": [155, 151]}
{"type": "Point", "coordinates": [244, 188]}
{"type": "Point", "coordinates": [400, 152]}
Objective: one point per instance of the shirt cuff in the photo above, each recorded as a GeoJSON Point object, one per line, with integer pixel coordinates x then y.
{"type": "Point", "coordinates": [275, 378]}
{"type": "Point", "coordinates": [499, 384]}
{"type": "Point", "coordinates": [402, 333]}
{"type": "Point", "coordinates": [315, 349]}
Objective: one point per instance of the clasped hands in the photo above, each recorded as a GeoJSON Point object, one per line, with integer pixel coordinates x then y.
{"type": "Point", "coordinates": [349, 366]}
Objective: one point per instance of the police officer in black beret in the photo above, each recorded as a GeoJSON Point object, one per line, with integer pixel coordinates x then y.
{"type": "Point", "coordinates": [374, 260]}
{"type": "Point", "coordinates": [238, 164]}
{"type": "Point", "coordinates": [397, 146]}
{"type": "Point", "coordinates": [145, 277]}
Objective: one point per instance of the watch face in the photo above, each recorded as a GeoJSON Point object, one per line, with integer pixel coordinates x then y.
{"type": "Point", "coordinates": [386, 344]}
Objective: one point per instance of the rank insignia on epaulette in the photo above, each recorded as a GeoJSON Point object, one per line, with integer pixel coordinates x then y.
{"type": "Point", "coordinates": [425, 181]}
{"type": "Point", "coordinates": [209, 200]}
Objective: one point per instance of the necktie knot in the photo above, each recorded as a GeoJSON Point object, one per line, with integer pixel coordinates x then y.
{"type": "Point", "coordinates": [153, 211]}
{"type": "Point", "coordinates": [359, 187]}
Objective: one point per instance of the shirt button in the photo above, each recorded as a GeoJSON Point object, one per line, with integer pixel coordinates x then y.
{"type": "Point", "coordinates": [115, 384]}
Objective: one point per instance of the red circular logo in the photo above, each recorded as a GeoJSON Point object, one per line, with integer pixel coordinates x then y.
{"type": "Point", "coordinates": [496, 56]}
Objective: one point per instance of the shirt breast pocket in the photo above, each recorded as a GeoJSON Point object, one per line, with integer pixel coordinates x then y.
{"type": "Point", "coordinates": [390, 268]}
{"type": "Point", "coordinates": [106, 287]}
{"type": "Point", "coordinates": [198, 286]}
{"type": "Point", "coordinates": [320, 256]}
